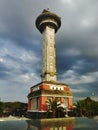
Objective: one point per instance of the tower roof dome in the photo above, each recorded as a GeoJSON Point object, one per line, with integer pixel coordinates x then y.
{"type": "Point", "coordinates": [48, 18]}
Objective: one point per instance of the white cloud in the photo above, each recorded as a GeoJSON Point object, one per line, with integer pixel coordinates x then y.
{"type": "Point", "coordinates": [67, 1]}
{"type": "Point", "coordinates": [79, 90]}
{"type": "Point", "coordinates": [28, 56]}
{"type": "Point", "coordinates": [78, 65]}
{"type": "Point", "coordinates": [72, 78]}
{"type": "Point", "coordinates": [1, 60]}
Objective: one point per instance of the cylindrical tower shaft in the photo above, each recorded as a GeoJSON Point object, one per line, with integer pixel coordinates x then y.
{"type": "Point", "coordinates": [48, 24]}
{"type": "Point", "coordinates": [48, 55]}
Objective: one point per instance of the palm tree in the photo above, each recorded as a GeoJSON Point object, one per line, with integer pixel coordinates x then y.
{"type": "Point", "coordinates": [86, 107]}
{"type": "Point", "coordinates": [53, 106]}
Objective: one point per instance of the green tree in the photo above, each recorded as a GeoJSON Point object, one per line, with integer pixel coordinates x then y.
{"type": "Point", "coordinates": [1, 108]}
{"type": "Point", "coordinates": [53, 106]}
{"type": "Point", "coordinates": [86, 107]}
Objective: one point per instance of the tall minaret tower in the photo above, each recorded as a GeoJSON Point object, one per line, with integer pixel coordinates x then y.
{"type": "Point", "coordinates": [48, 89]}
{"type": "Point", "coordinates": [48, 23]}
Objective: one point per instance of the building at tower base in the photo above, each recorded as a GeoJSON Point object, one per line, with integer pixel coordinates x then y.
{"type": "Point", "coordinates": [49, 89]}
{"type": "Point", "coordinates": [42, 92]}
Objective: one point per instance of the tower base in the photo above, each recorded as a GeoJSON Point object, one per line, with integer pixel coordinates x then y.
{"type": "Point", "coordinates": [48, 91]}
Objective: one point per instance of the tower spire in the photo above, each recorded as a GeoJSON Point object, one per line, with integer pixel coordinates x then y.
{"type": "Point", "coordinates": [48, 23]}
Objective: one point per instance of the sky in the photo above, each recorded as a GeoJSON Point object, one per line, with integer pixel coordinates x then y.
{"type": "Point", "coordinates": [21, 47]}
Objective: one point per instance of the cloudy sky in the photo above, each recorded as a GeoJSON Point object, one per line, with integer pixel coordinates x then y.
{"type": "Point", "coordinates": [76, 47]}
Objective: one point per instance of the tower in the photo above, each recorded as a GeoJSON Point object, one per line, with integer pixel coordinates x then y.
{"type": "Point", "coordinates": [48, 24]}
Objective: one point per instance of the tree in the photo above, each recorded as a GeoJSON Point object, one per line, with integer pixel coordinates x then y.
{"type": "Point", "coordinates": [86, 107]}
{"type": "Point", "coordinates": [53, 106]}
{"type": "Point", "coordinates": [1, 108]}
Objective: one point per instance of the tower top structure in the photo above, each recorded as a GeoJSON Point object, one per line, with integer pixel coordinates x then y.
{"type": "Point", "coordinates": [47, 18]}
